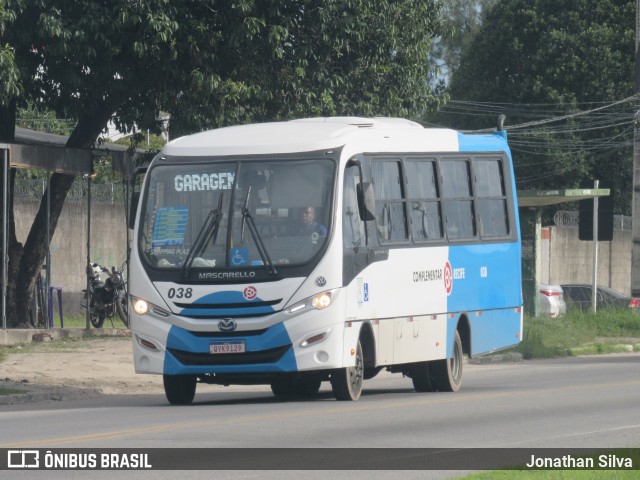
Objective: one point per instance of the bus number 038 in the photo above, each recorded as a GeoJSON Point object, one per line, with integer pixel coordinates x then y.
{"type": "Point", "coordinates": [180, 292]}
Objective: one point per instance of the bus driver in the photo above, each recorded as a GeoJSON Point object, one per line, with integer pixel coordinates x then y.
{"type": "Point", "coordinates": [310, 224]}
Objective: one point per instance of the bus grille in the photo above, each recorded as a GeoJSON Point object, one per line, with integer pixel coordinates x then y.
{"type": "Point", "coordinates": [262, 356]}
{"type": "Point", "coordinates": [239, 333]}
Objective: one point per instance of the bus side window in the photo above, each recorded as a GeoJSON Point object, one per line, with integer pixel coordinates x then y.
{"type": "Point", "coordinates": [424, 200]}
{"type": "Point", "coordinates": [458, 199]}
{"type": "Point", "coordinates": [390, 201]}
{"type": "Point", "coordinates": [353, 229]}
{"type": "Point", "coordinates": [491, 198]}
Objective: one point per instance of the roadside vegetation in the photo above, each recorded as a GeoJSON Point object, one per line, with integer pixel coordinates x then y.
{"type": "Point", "coordinates": [581, 333]}
{"type": "Point", "coordinates": [554, 475]}
{"type": "Point", "coordinates": [79, 321]}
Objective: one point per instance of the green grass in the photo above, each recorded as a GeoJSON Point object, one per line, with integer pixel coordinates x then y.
{"type": "Point", "coordinates": [599, 474]}
{"type": "Point", "coordinates": [580, 333]}
{"type": "Point", "coordinates": [80, 321]}
{"type": "Point", "coordinates": [554, 475]}
{"type": "Point", "coordinates": [11, 391]}
{"type": "Point", "coordinates": [73, 321]}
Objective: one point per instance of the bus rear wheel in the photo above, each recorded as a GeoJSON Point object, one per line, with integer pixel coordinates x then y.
{"type": "Point", "coordinates": [421, 377]}
{"type": "Point", "coordinates": [447, 373]}
{"type": "Point", "coordinates": [347, 382]}
{"type": "Point", "coordinates": [179, 389]}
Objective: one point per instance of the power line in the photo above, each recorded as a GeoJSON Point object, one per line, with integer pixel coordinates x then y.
{"type": "Point", "coordinates": [560, 118]}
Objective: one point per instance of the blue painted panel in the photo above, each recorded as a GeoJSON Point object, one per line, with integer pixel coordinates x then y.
{"type": "Point", "coordinates": [494, 330]}
{"type": "Point", "coordinates": [484, 277]}
{"type": "Point", "coordinates": [490, 142]}
{"type": "Point", "coordinates": [275, 336]}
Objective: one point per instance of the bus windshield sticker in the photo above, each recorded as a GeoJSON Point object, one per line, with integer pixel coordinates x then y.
{"type": "Point", "coordinates": [204, 182]}
{"type": "Point", "coordinates": [169, 226]}
{"type": "Point", "coordinates": [239, 256]}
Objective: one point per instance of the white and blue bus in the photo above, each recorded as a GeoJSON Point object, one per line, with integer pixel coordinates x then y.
{"type": "Point", "coordinates": [324, 249]}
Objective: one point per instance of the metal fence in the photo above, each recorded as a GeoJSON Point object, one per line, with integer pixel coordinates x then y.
{"type": "Point", "coordinates": [33, 189]}
{"type": "Point", "coordinates": [564, 218]}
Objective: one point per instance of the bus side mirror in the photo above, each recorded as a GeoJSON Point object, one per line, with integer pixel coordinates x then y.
{"type": "Point", "coordinates": [135, 196]}
{"type": "Point", "coordinates": [366, 201]}
{"type": "Point", "coordinates": [133, 208]}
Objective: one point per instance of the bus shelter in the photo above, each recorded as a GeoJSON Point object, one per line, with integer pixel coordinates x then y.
{"type": "Point", "coordinates": [48, 152]}
{"type": "Point", "coordinates": [531, 203]}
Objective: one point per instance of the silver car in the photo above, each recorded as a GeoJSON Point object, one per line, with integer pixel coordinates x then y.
{"type": "Point", "coordinates": [552, 302]}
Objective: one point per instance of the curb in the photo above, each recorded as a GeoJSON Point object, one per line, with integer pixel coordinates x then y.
{"type": "Point", "coordinates": [512, 357]}
{"type": "Point", "coordinates": [18, 336]}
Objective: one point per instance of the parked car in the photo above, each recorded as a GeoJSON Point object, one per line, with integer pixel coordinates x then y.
{"type": "Point", "coordinates": [580, 296]}
{"type": "Point", "coordinates": [552, 302]}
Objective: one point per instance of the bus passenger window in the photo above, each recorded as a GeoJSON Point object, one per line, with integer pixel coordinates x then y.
{"type": "Point", "coordinates": [424, 201]}
{"type": "Point", "coordinates": [458, 201]}
{"type": "Point", "coordinates": [390, 209]}
{"type": "Point", "coordinates": [491, 199]}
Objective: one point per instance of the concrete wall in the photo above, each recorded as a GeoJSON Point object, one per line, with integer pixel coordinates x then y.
{"type": "Point", "coordinates": [567, 259]}
{"type": "Point", "coordinates": [69, 243]}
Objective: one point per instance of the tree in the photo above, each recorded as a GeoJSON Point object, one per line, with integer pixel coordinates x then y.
{"type": "Point", "coordinates": [461, 20]}
{"type": "Point", "coordinates": [208, 63]}
{"type": "Point", "coordinates": [543, 58]}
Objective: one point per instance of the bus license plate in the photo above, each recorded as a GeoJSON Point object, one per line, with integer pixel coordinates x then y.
{"type": "Point", "coordinates": [227, 346]}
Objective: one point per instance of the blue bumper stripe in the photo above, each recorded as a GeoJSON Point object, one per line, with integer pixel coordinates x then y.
{"type": "Point", "coordinates": [181, 339]}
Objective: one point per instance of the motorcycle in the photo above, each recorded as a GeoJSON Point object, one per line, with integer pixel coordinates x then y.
{"type": "Point", "coordinates": [107, 298]}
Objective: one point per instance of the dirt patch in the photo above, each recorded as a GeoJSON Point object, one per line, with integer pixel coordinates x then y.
{"type": "Point", "coordinates": [103, 365]}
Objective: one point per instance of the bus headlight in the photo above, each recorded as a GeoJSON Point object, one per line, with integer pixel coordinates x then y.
{"type": "Point", "coordinates": [140, 306]}
{"type": "Point", "coordinates": [319, 301]}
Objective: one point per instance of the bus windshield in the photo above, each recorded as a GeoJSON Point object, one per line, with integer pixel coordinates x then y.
{"type": "Point", "coordinates": [235, 214]}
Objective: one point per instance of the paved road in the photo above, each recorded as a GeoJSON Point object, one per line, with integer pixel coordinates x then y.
{"type": "Point", "coordinates": [573, 402]}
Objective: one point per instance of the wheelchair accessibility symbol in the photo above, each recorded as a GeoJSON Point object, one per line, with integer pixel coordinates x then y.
{"type": "Point", "coordinates": [239, 257]}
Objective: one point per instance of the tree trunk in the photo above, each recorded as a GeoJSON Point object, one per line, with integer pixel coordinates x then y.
{"type": "Point", "coordinates": [35, 248]}
{"type": "Point", "coordinates": [15, 256]}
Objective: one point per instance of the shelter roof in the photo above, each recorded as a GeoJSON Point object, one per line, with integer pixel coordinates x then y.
{"type": "Point", "coordinates": [543, 198]}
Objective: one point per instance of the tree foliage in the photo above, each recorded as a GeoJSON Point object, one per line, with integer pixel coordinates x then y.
{"type": "Point", "coordinates": [536, 59]}
{"type": "Point", "coordinates": [209, 63]}
{"type": "Point", "coordinates": [461, 20]}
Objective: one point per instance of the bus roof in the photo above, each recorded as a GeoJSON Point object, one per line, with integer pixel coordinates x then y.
{"type": "Point", "coordinates": [357, 134]}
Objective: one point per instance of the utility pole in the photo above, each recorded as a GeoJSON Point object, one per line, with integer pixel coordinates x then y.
{"type": "Point", "coordinates": [635, 252]}
{"type": "Point", "coordinates": [594, 272]}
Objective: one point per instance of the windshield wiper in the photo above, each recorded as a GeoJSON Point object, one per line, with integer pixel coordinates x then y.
{"type": "Point", "coordinates": [246, 217]}
{"type": "Point", "coordinates": [208, 233]}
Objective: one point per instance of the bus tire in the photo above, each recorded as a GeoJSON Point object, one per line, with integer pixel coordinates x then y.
{"type": "Point", "coordinates": [347, 382]}
{"type": "Point", "coordinates": [179, 389]}
{"type": "Point", "coordinates": [282, 388]}
{"type": "Point", "coordinates": [421, 377]}
{"type": "Point", "coordinates": [303, 387]}
{"type": "Point", "coordinates": [447, 373]}
{"type": "Point", "coordinates": [308, 387]}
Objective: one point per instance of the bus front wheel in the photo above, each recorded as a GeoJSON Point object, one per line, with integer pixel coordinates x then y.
{"type": "Point", "coordinates": [179, 389]}
{"type": "Point", "coordinates": [293, 388]}
{"type": "Point", "coordinates": [447, 373]}
{"type": "Point", "coordinates": [347, 382]}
